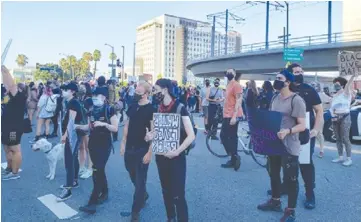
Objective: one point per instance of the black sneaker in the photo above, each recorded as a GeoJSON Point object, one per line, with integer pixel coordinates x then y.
{"type": "Point", "coordinates": [271, 205]}
{"type": "Point", "coordinates": [288, 216]}
{"type": "Point", "coordinates": [135, 217]}
{"type": "Point", "coordinates": [237, 162]}
{"type": "Point", "coordinates": [6, 171]}
{"type": "Point", "coordinates": [310, 202]}
{"type": "Point", "coordinates": [75, 185]}
{"type": "Point", "coordinates": [229, 164]}
{"type": "Point", "coordinates": [65, 194]}
{"type": "Point", "coordinates": [102, 198]}
{"type": "Point", "coordinates": [89, 208]}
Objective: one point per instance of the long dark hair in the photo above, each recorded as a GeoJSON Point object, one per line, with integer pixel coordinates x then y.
{"type": "Point", "coordinates": [267, 87]}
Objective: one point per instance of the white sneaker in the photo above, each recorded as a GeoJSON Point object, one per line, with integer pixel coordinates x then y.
{"type": "Point", "coordinates": [338, 160]}
{"type": "Point", "coordinates": [348, 162]}
{"type": "Point", "coordinates": [86, 174]}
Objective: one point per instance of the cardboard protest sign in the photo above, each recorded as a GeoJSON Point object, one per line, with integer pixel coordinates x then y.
{"type": "Point", "coordinates": [167, 132]}
{"type": "Point", "coordinates": [305, 153]}
{"type": "Point", "coordinates": [349, 63]}
{"type": "Point", "coordinates": [264, 126]}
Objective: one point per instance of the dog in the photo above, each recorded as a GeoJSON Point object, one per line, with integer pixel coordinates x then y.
{"type": "Point", "coordinates": [52, 154]}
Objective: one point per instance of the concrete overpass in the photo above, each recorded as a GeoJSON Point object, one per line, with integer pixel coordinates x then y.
{"type": "Point", "coordinates": [261, 64]}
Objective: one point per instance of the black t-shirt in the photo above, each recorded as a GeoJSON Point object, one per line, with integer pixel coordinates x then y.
{"type": "Point", "coordinates": [74, 105]}
{"type": "Point", "coordinates": [311, 98]}
{"type": "Point", "coordinates": [139, 120]}
{"type": "Point", "coordinates": [13, 116]}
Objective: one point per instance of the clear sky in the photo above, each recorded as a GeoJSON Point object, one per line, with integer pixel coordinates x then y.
{"type": "Point", "coordinates": [42, 30]}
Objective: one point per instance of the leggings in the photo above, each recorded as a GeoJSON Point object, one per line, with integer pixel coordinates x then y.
{"type": "Point", "coordinates": [342, 133]}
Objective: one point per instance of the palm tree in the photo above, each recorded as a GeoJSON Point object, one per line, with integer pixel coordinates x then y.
{"type": "Point", "coordinates": [96, 58]}
{"type": "Point", "coordinates": [112, 56]}
{"type": "Point", "coordinates": [87, 56]}
{"type": "Point", "coordinates": [22, 60]}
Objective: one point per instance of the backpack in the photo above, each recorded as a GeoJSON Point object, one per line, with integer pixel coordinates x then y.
{"type": "Point", "coordinates": [304, 136]}
{"type": "Point", "coordinates": [193, 144]}
{"type": "Point", "coordinates": [51, 103]}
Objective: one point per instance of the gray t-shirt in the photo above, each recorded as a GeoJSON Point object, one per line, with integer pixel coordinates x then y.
{"type": "Point", "coordinates": [217, 93]}
{"type": "Point", "coordinates": [203, 95]}
{"type": "Point", "coordinates": [283, 105]}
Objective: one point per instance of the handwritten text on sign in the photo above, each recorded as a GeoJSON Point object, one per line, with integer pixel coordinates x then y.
{"type": "Point", "coordinates": [167, 132]}
{"type": "Point", "coordinates": [349, 63]}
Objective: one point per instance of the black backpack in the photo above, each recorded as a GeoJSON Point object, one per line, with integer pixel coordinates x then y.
{"type": "Point", "coordinates": [193, 144]}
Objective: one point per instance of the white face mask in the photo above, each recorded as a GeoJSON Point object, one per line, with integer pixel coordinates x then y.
{"type": "Point", "coordinates": [66, 94]}
{"type": "Point", "coordinates": [97, 101]}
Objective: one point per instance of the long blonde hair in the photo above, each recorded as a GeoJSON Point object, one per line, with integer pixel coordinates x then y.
{"type": "Point", "coordinates": [253, 87]}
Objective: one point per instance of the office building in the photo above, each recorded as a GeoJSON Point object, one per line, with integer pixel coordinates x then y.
{"type": "Point", "coordinates": [167, 42]}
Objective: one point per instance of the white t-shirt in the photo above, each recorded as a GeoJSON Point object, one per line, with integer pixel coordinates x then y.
{"type": "Point", "coordinates": [131, 90]}
{"type": "Point", "coordinates": [205, 102]}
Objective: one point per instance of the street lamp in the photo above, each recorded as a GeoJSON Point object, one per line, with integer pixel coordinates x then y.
{"type": "Point", "coordinates": [123, 48]}
{"type": "Point", "coordinates": [113, 73]}
{"type": "Point", "coordinates": [71, 67]}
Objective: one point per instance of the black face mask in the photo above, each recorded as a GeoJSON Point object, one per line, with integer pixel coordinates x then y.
{"type": "Point", "coordinates": [159, 97]}
{"type": "Point", "coordinates": [229, 76]}
{"type": "Point", "coordinates": [278, 84]}
{"type": "Point", "coordinates": [137, 97]}
{"type": "Point", "coordinates": [207, 84]}
{"type": "Point", "coordinates": [216, 84]}
{"type": "Point", "coordinates": [299, 79]}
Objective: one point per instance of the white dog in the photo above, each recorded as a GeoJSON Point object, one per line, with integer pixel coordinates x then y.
{"type": "Point", "coordinates": [52, 154]}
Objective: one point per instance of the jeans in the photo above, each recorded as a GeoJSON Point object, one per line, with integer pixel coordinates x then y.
{"type": "Point", "coordinates": [290, 166]}
{"type": "Point", "coordinates": [133, 159]}
{"type": "Point", "coordinates": [229, 137]}
{"type": "Point", "coordinates": [71, 162]}
{"type": "Point", "coordinates": [212, 122]}
{"type": "Point", "coordinates": [172, 174]}
{"type": "Point", "coordinates": [99, 156]}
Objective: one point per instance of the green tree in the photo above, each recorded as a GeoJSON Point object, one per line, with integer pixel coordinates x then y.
{"type": "Point", "coordinates": [112, 56]}
{"type": "Point", "coordinates": [42, 75]}
{"type": "Point", "coordinates": [96, 58]}
{"type": "Point", "coordinates": [64, 65]}
{"type": "Point", "coordinates": [159, 76]}
{"type": "Point", "coordinates": [22, 60]}
{"type": "Point", "coordinates": [87, 56]}
{"type": "Point", "coordinates": [84, 67]}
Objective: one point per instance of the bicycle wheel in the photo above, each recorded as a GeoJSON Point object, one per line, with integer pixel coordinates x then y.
{"type": "Point", "coordinates": [258, 158]}
{"type": "Point", "coordinates": [214, 144]}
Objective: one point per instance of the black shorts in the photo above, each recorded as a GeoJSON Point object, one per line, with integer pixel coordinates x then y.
{"type": "Point", "coordinates": [11, 137]}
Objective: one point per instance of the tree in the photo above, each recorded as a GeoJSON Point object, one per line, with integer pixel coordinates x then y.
{"type": "Point", "coordinates": [112, 56]}
{"type": "Point", "coordinates": [84, 67]}
{"type": "Point", "coordinates": [96, 57]}
{"type": "Point", "coordinates": [22, 60]}
{"type": "Point", "coordinates": [159, 76]}
{"type": "Point", "coordinates": [87, 56]}
{"type": "Point", "coordinates": [42, 75]}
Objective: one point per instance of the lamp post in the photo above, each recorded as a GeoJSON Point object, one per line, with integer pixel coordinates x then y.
{"type": "Point", "coordinates": [71, 66]}
{"type": "Point", "coordinates": [113, 73]}
{"type": "Point", "coordinates": [287, 22]}
{"type": "Point", "coordinates": [123, 48]}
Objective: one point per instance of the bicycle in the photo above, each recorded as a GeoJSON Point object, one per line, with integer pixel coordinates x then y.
{"type": "Point", "coordinates": [216, 148]}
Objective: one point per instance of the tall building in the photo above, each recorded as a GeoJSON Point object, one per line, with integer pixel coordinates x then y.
{"type": "Point", "coordinates": [351, 16]}
{"type": "Point", "coordinates": [167, 42]}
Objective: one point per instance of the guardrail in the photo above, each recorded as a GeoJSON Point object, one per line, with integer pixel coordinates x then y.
{"type": "Point", "coordinates": [292, 42]}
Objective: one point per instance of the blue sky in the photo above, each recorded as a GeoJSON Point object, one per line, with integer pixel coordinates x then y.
{"type": "Point", "coordinates": [42, 30]}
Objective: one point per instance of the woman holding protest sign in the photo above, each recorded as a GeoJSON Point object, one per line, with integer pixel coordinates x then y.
{"type": "Point", "coordinates": [172, 164]}
{"type": "Point", "coordinates": [293, 109]}
{"type": "Point", "coordinates": [341, 119]}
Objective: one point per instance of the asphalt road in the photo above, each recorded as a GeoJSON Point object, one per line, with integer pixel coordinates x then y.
{"type": "Point", "coordinates": [213, 193]}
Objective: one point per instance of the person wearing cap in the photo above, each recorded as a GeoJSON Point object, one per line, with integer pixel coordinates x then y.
{"type": "Point", "coordinates": [293, 110]}
{"type": "Point", "coordinates": [103, 122]}
{"type": "Point", "coordinates": [73, 115]}
{"type": "Point", "coordinates": [172, 165]}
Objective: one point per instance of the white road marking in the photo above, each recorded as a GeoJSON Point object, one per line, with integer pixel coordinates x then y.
{"type": "Point", "coordinates": [60, 209]}
{"type": "Point", "coordinates": [4, 165]}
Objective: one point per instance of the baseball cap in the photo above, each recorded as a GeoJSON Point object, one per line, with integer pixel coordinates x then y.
{"type": "Point", "coordinates": [101, 91]}
{"type": "Point", "coordinates": [71, 86]}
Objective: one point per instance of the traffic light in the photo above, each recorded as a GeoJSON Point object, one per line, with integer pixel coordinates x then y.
{"type": "Point", "coordinates": [118, 63]}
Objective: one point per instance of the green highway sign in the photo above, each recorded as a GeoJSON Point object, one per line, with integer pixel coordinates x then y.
{"type": "Point", "coordinates": [293, 54]}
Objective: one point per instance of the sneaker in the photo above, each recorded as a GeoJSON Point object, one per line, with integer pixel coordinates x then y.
{"type": "Point", "coordinates": [86, 174]}
{"type": "Point", "coordinates": [289, 215]}
{"type": "Point", "coordinates": [237, 163]}
{"type": "Point", "coordinates": [338, 160]}
{"type": "Point", "coordinates": [271, 205]}
{"type": "Point", "coordinates": [310, 202]}
{"type": "Point", "coordinates": [5, 171]}
{"type": "Point", "coordinates": [348, 162]}
{"type": "Point", "coordinates": [11, 176]}
{"type": "Point", "coordinates": [75, 185]}
{"type": "Point", "coordinates": [65, 194]}
{"type": "Point", "coordinates": [89, 208]}
{"type": "Point", "coordinates": [135, 217]}
{"type": "Point", "coordinates": [229, 164]}
{"type": "Point", "coordinates": [320, 155]}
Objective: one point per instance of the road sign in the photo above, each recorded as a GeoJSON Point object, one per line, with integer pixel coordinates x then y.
{"type": "Point", "coordinates": [111, 65]}
{"type": "Point", "coordinates": [293, 54]}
